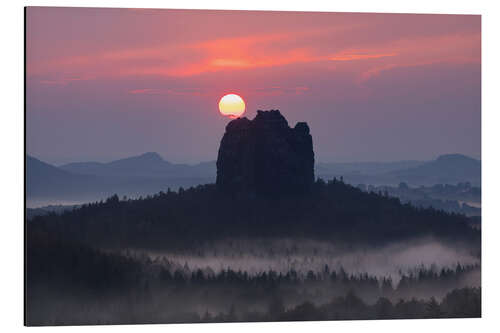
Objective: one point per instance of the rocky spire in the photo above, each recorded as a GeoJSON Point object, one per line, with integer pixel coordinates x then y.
{"type": "Point", "coordinates": [265, 156]}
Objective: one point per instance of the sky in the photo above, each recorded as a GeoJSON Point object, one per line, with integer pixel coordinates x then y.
{"type": "Point", "coordinates": [104, 84]}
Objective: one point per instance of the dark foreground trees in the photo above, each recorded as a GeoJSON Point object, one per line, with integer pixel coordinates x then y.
{"type": "Point", "coordinates": [77, 272]}
{"type": "Point", "coordinates": [332, 211]}
{"type": "Point", "coordinates": [74, 284]}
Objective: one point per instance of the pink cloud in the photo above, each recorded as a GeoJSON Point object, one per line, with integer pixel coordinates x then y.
{"type": "Point", "coordinates": [62, 81]}
{"type": "Point", "coordinates": [204, 91]}
{"type": "Point", "coordinates": [146, 91]}
{"type": "Point", "coordinates": [348, 56]}
{"type": "Point", "coordinates": [275, 91]}
{"type": "Point", "coordinates": [447, 49]}
{"type": "Point", "coordinates": [365, 49]}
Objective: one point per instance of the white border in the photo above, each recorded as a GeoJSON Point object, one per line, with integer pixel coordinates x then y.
{"type": "Point", "coordinates": [12, 141]}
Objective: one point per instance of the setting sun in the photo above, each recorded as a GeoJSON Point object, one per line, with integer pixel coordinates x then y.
{"type": "Point", "coordinates": [232, 106]}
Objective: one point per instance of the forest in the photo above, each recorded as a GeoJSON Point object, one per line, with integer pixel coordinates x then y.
{"type": "Point", "coordinates": [461, 198]}
{"type": "Point", "coordinates": [174, 256]}
{"type": "Point", "coordinates": [333, 210]}
{"type": "Point", "coordinates": [70, 284]}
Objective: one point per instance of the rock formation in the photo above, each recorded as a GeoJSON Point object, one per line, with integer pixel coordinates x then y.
{"type": "Point", "coordinates": [265, 156]}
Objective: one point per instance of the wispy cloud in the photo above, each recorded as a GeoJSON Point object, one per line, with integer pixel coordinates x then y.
{"type": "Point", "coordinates": [205, 91]}
{"type": "Point", "coordinates": [349, 56]}
{"type": "Point", "coordinates": [146, 91]}
{"type": "Point", "coordinates": [62, 81]}
{"type": "Point", "coordinates": [364, 58]}
{"type": "Point", "coordinates": [446, 49]}
{"type": "Point", "coordinates": [274, 91]}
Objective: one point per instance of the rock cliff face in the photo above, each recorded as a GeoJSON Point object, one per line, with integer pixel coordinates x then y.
{"type": "Point", "coordinates": [265, 156]}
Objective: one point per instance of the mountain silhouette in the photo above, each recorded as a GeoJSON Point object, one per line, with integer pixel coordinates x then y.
{"type": "Point", "coordinates": [446, 169]}
{"type": "Point", "coordinates": [45, 180]}
{"type": "Point", "coordinates": [36, 169]}
{"type": "Point", "coordinates": [90, 181]}
{"type": "Point", "coordinates": [146, 165]}
{"type": "Point", "coordinates": [328, 170]}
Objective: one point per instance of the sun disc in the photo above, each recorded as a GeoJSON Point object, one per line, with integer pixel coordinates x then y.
{"type": "Point", "coordinates": [232, 106]}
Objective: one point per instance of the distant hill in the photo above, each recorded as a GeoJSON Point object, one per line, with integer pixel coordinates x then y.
{"type": "Point", "coordinates": [43, 179]}
{"type": "Point", "coordinates": [37, 169]}
{"type": "Point", "coordinates": [136, 176]}
{"type": "Point", "coordinates": [446, 169]}
{"type": "Point", "coordinates": [145, 165]}
{"type": "Point", "coordinates": [366, 168]}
